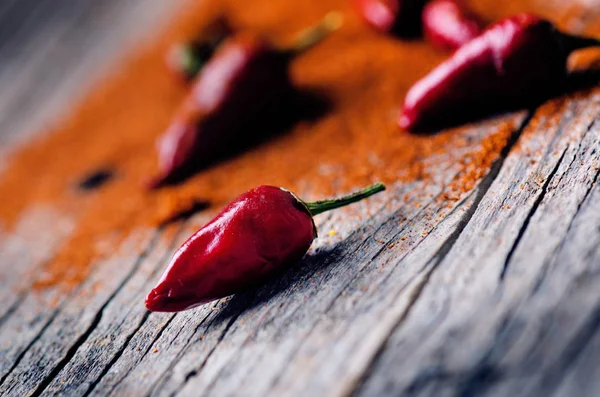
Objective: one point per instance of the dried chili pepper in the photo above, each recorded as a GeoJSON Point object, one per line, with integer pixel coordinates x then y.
{"type": "Point", "coordinates": [402, 17]}
{"type": "Point", "coordinates": [246, 79]}
{"type": "Point", "coordinates": [187, 59]}
{"type": "Point", "coordinates": [449, 24]}
{"type": "Point", "coordinates": [517, 62]}
{"type": "Point", "coordinates": [262, 232]}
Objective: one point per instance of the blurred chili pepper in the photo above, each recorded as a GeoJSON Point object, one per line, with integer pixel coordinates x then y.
{"type": "Point", "coordinates": [262, 232]}
{"type": "Point", "coordinates": [402, 17]}
{"type": "Point", "coordinates": [516, 62]}
{"type": "Point", "coordinates": [381, 14]}
{"type": "Point", "coordinates": [187, 59]}
{"type": "Point", "coordinates": [246, 79]}
{"type": "Point", "coordinates": [449, 24]}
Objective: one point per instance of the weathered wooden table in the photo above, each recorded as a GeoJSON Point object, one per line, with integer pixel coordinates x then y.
{"type": "Point", "coordinates": [499, 297]}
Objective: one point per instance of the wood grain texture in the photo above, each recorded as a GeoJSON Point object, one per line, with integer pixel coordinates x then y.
{"type": "Point", "coordinates": [497, 294]}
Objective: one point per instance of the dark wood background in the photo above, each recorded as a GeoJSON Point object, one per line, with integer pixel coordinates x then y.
{"type": "Point", "coordinates": [498, 297]}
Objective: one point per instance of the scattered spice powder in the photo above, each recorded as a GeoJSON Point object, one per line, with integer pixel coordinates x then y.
{"type": "Point", "coordinates": [363, 75]}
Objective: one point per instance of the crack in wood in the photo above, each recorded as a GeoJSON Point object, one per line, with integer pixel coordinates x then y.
{"type": "Point", "coordinates": [575, 152]}
{"type": "Point", "coordinates": [443, 251]}
{"type": "Point", "coordinates": [194, 372]}
{"type": "Point", "coordinates": [29, 345]}
{"type": "Point", "coordinates": [472, 383]}
{"type": "Point", "coordinates": [39, 334]}
{"type": "Point", "coordinates": [407, 222]}
{"type": "Point", "coordinates": [494, 169]}
{"type": "Point", "coordinates": [121, 351]}
{"type": "Point", "coordinates": [545, 267]}
{"type": "Point", "coordinates": [145, 316]}
{"type": "Point", "coordinates": [359, 244]}
{"type": "Point", "coordinates": [65, 360]}
{"type": "Point", "coordinates": [158, 335]}
{"type": "Point", "coordinates": [456, 208]}
{"type": "Point", "coordinates": [12, 309]}
{"type": "Point", "coordinates": [117, 355]}
{"type": "Point", "coordinates": [163, 376]}
{"type": "Point", "coordinates": [532, 212]}
{"type": "Point", "coordinates": [97, 318]}
{"type": "Point", "coordinates": [378, 253]}
{"type": "Point", "coordinates": [468, 382]}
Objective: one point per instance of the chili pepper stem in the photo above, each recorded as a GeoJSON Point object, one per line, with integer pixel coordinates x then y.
{"type": "Point", "coordinates": [315, 34]}
{"type": "Point", "coordinates": [186, 58]}
{"type": "Point", "coordinates": [318, 207]}
{"type": "Point", "coordinates": [572, 43]}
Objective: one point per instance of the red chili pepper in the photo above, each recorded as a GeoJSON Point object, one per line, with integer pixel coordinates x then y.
{"type": "Point", "coordinates": [246, 80]}
{"type": "Point", "coordinates": [381, 14]}
{"type": "Point", "coordinates": [187, 59]}
{"type": "Point", "coordinates": [399, 16]}
{"type": "Point", "coordinates": [448, 24]}
{"type": "Point", "coordinates": [262, 232]}
{"type": "Point", "coordinates": [517, 62]}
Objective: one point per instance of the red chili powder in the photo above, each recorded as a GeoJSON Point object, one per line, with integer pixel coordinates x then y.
{"type": "Point", "coordinates": [364, 76]}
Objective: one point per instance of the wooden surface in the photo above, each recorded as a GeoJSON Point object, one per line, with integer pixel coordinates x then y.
{"type": "Point", "coordinates": [498, 295]}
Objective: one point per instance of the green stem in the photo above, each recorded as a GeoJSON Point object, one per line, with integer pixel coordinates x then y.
{"type": "Point", "coordinates": [187, 59]}
{"type": "Point", "coordinates": [190, 60]}
{"type": "Point", "coordinates": [315, 34]}
{"type": "Point", "coordinates": [321, 206]}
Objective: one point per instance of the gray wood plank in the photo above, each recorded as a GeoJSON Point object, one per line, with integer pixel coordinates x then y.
{"type": "Point", "coordinates": [121, 319]}
{"type": "Point", "coordinates": [34, 242]}
{"type": "Point", "coordinates": [67, 58]}
{"type": "Point", "coordinates": [487, 295]}
{"type": "Point", "coordinates": [271, 326]}
{"type": "Point", "coordinates": [74, 318]}
{"type": "Point", "coordinates": [496, 294]}
{"type": "Point", "coordinates": [87, 39]}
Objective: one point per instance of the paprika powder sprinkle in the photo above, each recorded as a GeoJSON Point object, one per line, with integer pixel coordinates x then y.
{"type": "Point", "coordinates": [352, 145]}
{"type": "Point", "coordinates": [260, 233]}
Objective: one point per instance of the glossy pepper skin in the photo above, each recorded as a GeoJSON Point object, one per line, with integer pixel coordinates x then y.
{"type": "Point", "coordinates": [186, 59]}
{"type": "Point", "coordinates": [380, 14]}
{"type": "Point", "coordinates": [245, 76]}
{"type": "Point", "coordinates": [244, 82]}
{"type": "Point", "coordinates": [263, 231]}
{"type": "Point", "coordinates": [402, 17]}
{"type": "Point", "coordinates": [517, 62]}
{"type": "Point", "coordinates": [448, 24]}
